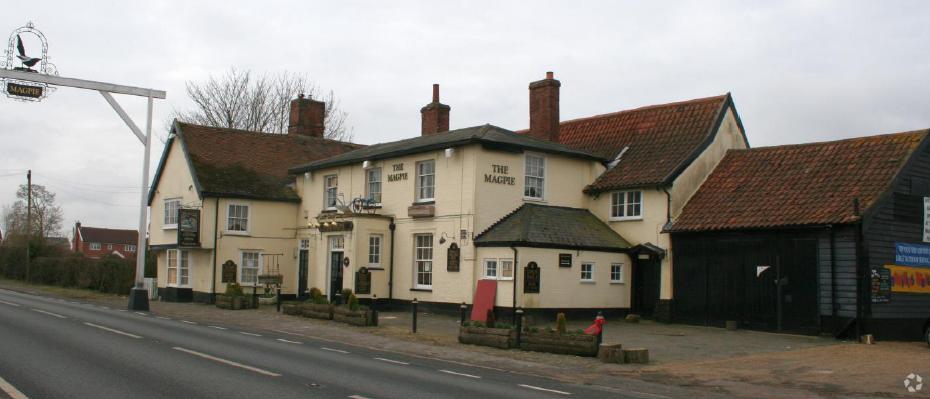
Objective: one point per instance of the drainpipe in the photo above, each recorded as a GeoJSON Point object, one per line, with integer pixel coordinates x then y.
{"type": "Point", "coordinates": [833, 276]}
{"type": "Point", "coordinates": [859, 269]}
{"type": "Point", "coordinates": [216, 217]}
{"type": "Point", "coordinates": [391, 226]}
{"type": "Point", "coordinates": [668, 205]}
{"type": "Point", "coordinates": [515, 263]}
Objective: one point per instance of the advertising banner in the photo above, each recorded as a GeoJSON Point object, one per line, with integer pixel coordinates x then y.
{"type": "Point", "coordinates": [911, 254]}
{"type": "Point", "coordinates": [914, 280]}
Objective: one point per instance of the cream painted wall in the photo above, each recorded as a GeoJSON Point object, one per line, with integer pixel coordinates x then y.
{"type": "Point", "coordinates": [175, 182]}
{"type": "Point", "coordinates": [562, 287]}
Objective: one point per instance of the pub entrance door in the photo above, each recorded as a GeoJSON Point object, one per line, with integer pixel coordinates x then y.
{"type": "Point", "coordinates": [336, 245]}
{"type": "Point", "coordinates": [646, 284]}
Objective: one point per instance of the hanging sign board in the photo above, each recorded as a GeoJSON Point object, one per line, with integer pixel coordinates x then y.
{"type": "Point", "coordinates": [363, 281]}
{"type": "Point", "coordinates": [914, 280]}
{"type": "Point", "coordinates": [27, 51]}
{"type": "Point", "coordinates": [24, 91]}
{"type": "Point", "coordinates": [565, 260]}
{"type": "Point", "coordinates": [531, 278]}
{"type": "Point", "coordinates": [188, 228]}
{"type": "Point", "coordinates": [926, 219]}
{"type": "Point", "coordinates": [912, 254]}
{"type": "Point", "coordinates": [881, 285]}
{"type": "Point", "coordinates": [229, 272]}
{"type": "Point", "coordinates": [453, 258]}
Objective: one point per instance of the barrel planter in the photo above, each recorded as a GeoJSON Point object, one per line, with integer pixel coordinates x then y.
{"type": "Point", "coordinates": [235, 302]}
{"type": "Point", "coordinates": [361, 317]}
{"type": "Point", "coordinates": [553, 342]}
{"type": "Point", "coordinates": [322, 311]}
{"type": "Point", "coordinates": [503, 338]}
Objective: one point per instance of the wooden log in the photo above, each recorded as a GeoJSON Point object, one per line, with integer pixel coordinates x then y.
{"type": "Point", "coordinates": [635, 355]}
{"type": "Point", "coordinates": [610, 353]}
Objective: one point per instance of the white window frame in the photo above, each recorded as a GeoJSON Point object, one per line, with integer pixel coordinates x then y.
{"type": "Point", "coordinates": [526, 177]}
{"type": "Point", "coordinates": [375, 250]}
{"type": "Point", "coordinates": [426, 262]}
{"type": "Point", "coordinates": [182, 263]}
{"type": "Point", "coordinates": [419, 187]}
{"type": "Point", "coordinates": [94, 246]}
{"type": "Point", "coordinates": [499, 269]}
{"type": "Point", "coordinates": [109, 247]}
{"type": "Point", "coordinates": [326, 191]}
{"type": "Point", "coordinates": [170, 217]}
{"type": "Point", "coordinates": [129, 248]}
{"type": "Point", "coordinates": [616, 205]}
{"type": "Point", "coordinates": [620, 279]}
{"type": "Point", "coordinates": [248, 218]}
{"type": "Point", "coordinates": [369, 182]}
{"type": "Point", "coordinates": [258, 268]}
{"type": "Point", "coordinates": [487, 269]}
{"type": "Point", "coordinates": [590, 278]}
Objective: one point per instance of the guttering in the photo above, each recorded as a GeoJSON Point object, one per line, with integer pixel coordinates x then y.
{"type": "Point", "coordinates": [216, 252]}
{"type": "Point", "coordinates": [392, 227]}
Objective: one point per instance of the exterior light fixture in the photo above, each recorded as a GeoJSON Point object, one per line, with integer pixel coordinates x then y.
{"type": "Point", "coordinates": [366, 164]}
{"type": "Point", "coordinates": [450, 152]}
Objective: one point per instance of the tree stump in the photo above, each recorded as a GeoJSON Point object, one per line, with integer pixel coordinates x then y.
{"type": "Point", "coordinates": [636, 355]}
{"type": "Point", "coordinates": [610, 353]}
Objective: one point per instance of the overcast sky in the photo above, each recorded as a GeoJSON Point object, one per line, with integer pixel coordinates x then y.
{"type": "Point", "coordinates": [798, 71]}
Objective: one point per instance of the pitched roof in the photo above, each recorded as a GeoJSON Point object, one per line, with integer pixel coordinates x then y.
{"type": "Point", "coordinates": [656, 142]}
{"type": "Point", "coordinates": [533, 225]}
{"type": "Point", "coordinates": [244, 164]}
{"type": "Point", "coordinates": [797, 185]}
{"type": "Point", "coordinates": [487, 135]}
{"type": "Point", "coordinates": [108, 236]}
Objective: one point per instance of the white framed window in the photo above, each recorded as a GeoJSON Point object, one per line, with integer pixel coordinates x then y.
{"type": "Point", "coordinates": [423, 261]}
{"type": "Point", "coordinates": [506, 269]}
{"type": "Point", "coordinates": [374, 250]}
{"type": "Point", "coordinates": [178, 267]}
{"type": "Point", "coordinates": [587, 271]}
{"type": "Point", "coordinates": [249, 267]}
{"type": "Point", "coordinates": [171, 213]}
{"type": "Point", "coordinates": [330, 191]}
{"type": "Point", "coordinates": [535, 177]}
{"type": "Point", "coordinates": [237, 218]}
{"type": "Point", "coordinates": [337, 243]}
{"type": "Point", "coordinates": [626, 205]}
{"type": "Point", "coordinates": [304, 243]}
{"type": "Point", "coordinates": [426, 181]}
{"type": "Point", "coordinates": [95, 246]}
{"type": "Point", "coordinates": [616, 272]}
{"type": "Point", "coordinates": [109, 247]}
{"type": "Point", "coordinates": [373, 176]}
{"type": "Point", "coordinates": [490, 268]}
{"type": "Point", "coordinates": [129, 248]}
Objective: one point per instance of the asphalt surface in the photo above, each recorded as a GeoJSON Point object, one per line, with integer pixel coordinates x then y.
{"type": "Point", "coordinates": [54, 348]}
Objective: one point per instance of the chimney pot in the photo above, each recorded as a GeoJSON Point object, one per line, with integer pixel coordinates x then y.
{"type": "Point", "coordinates": [544, 108]}
{"type": "Point", "coordinates": [435, 92]}
{"type": "Point", "coordinates": [549, 75]}
{"type": "Point", "coordinates": [435, 115]}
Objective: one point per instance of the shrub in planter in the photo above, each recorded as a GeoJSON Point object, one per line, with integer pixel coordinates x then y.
{"type": "Point", "coordinates": [560, 323]}
{"type": "Point", "coordinates": [235, 299]}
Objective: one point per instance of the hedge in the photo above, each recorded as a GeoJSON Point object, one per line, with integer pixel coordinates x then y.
{"type": "Point", "coordinates": [110, 274]}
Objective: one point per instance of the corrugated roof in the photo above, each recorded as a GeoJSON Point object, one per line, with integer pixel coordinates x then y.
{"type": "Point", "coordinates": [797, 185]}
{"type": "Point", "coordinates": [534, 225]}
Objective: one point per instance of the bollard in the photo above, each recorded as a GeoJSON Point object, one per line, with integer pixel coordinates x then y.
{"type": "Point", "coordinates": [254, 294]}
{"type": "Point", "coordinates": [279, 299]}
{"type": "Point", "coordinates": [374, 310]}
{"type": "Point", "coordinates": [600, 334]}
{"type": "Point", "coordinates": [519, 314]}
{"type": "Point", "coordinates": [463, 307]}
{"type": "Point", "coordinates": [414, 303]}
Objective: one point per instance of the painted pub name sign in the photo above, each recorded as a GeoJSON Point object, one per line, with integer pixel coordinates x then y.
{"type": "Point", "coordinates": [500, 175]}
{"type": "Point", "coordinates": [398, 173]}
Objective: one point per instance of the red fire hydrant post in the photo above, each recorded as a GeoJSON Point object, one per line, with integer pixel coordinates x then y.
{"type": "Point", "coordinates": [597, 328]}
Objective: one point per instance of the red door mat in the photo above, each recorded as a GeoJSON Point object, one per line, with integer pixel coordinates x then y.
{"type": "Point", "coordinates": [484, 299]}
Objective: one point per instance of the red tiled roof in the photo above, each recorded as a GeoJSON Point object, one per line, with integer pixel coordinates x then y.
{"type": "Point", "coordinates": [797, 185]}
{"type": "Point", "coordinates": [109, 236]}
{"type": "Point", "coordinates": [661, 140]}
{"type": "Point", "coordinates": [240, 163]}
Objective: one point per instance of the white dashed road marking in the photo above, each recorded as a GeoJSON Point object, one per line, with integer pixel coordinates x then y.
{"type": "Point", "coordinates": [461, 374]}
{"type": "Point", "coordinates": [290, 342]}
{"type": "Point", "coordinates": [544, 389]}
{"type": "Point", "coordinates": [112, 330]}
{"type": "Point", "coordinates": [391, 361]}
{"type": "Point", "coordinates": [10, 303]}
{"type": "Point", "coordinates": [334, 350]}
{"type": "Point", "coordinates": [10, 390]}
{"type": "Point", "coordinates": [357, 397]}
{"type": "Point", "coordinates": [50, 313]}
{"type": "Point", "coordinates": [163, 317]}
{"type": "Point", "coordinates": [218, 327]}
{"type": "Point", "coordinates": [188, 322]}
{"type": "Point", "coordinates": [248, 333]}
{"type": "Point", "coordinates": [141, 314]}
{"type": "Point", "coordinates": [229, 362]}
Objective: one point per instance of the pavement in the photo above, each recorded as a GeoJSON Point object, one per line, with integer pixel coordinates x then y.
{"type": "Point", "coordinates": [55, 348]}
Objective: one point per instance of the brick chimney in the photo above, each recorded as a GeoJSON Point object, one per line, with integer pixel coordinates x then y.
{"type": "Point", "coordinates": [544, 108]}
{"type": "Point", "coordinates": [435, 115]}
{"type": "Point", "coordinates": [306, 117]}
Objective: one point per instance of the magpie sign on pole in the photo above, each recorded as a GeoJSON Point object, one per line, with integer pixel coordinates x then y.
{"type": "Point", "coordinates": [27, 51]}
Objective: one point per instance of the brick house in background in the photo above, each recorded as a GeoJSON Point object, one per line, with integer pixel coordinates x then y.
{"type": "Point", "coordinates": [95, 242]}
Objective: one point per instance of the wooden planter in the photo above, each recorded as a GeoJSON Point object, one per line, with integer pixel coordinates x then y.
{"type": "Point", "coordinates": [267, 300]}
{"type": "Point", "coordinates": [317, 311]}
{"type": "Point", "coordinates": [235, 302]}
{"type": "Point", "coordinates": [361, 317]}
{"type": "Point", "coordinates": [291, 308]}
{"type": "Point", "coordinates": [503, 338]}
{"type": "Point", "coordinates": [566, 344]}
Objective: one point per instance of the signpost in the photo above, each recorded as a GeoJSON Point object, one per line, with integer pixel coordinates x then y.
{"type": "Point", "coordinates": [189, 228]}
{"type": "Point", "coordinates": [45, 76]}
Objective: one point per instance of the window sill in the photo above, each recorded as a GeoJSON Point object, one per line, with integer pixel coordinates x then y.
{"type": "Point", "coordinates": [422, 289]}
{"type": "Point", "coordinates": [625, 219]}
{"type": "Point", "coordinates": [617, 282]}
{"type": "Point", "coordinates": [169, 227]}
{"type": "Point", "coordinates": [236, 233]}
{"type": "Point", "coordinates": [374, 268]}
{"type": "Point", "coordinates": [588, 282]}
{"type": "Point", "coordinates": [532, 199]}
{"type": "Point", "coordinates": [329, 210]}
{"type": "Point", "coordinates": [429, 201]}
{"type": "Point", "coordinates": [372, 206]}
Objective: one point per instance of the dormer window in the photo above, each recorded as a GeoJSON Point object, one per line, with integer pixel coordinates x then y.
{"type": "Point", "coordinates": [626, 205]}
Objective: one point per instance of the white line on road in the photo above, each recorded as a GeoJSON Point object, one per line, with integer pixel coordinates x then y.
{"type": "Point", "coordinates": [334, 350]}
{"type": "Point", "coordinates": [141, 314]}
{"type": "Point", "coordinates": [461, 374]}
{"type": "Point", "coordinates": [248, 333]}
{"type": "Point", "coordinates": [50, 313]}
{"type": "Point", "coordinates": [357, 397]}
{"type": "Point", "coordinates": [105, 307]}
{"type": "Point", "coordinates": [112, 330]}
{"type": "Point", "coordinates": [290, 342]}
{"type": "Point", "coordinates": [391, 361]}
{"type": "Point", "coordinates": [10, 303]}
{"type": "Point", "coordinates": [218, 327]}
{"type": "Point", "coordinates": [544, 389]}
{"type": "Point", "coordinates": [163, 317]}
{"type": "Point", "coordinates": [188, 322]}
{"type": "Point", "coordinates": [229, 362]}
{"type": "Point", "coordinates": [10, 390]}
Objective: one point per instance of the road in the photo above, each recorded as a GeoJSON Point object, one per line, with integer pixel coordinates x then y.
{"type": "Point", "coordinates": [54, 348]}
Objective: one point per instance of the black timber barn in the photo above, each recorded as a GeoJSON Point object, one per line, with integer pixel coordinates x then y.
{"type": "Point", "coordinates": [796, 238]}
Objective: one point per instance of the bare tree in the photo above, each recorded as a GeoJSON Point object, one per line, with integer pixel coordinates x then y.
{"type": "Point", "coordinates": [46, 215]}
{"type": "Point", "coordinates": [243, 100]}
